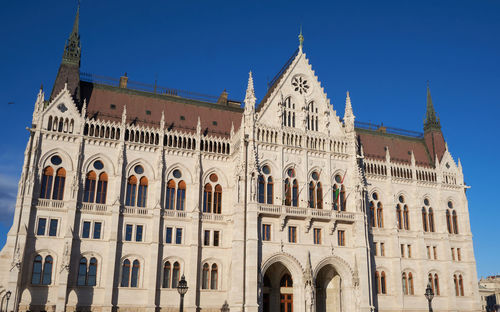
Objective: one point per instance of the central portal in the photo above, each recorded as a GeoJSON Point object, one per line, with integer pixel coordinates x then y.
{"type": "Point", "coordinates": [328, 290]}
{"type": "Point", "coordinates": [277, 293]}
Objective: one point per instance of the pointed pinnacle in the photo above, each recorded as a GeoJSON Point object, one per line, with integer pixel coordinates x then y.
{"type": "Point", "coordinates": [348, 106]}
{"type": "Point", "coordinates": [77, 19]}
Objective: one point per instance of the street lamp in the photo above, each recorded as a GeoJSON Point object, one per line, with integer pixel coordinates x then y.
{"type": "Point", "coordinates": [225, 307]}
{"type": "Point", "coordinates": [182, 288]}
{"type": "Point", "coordinates": [429, 294]}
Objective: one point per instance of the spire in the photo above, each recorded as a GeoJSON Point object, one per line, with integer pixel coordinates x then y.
{"type": "Point", "coordinates": [301, 39]}
{"type": "Point", "coordinates": [250, 95]}
{"type": "Point", "coordinates": [72, 49]}
{"type": "Point", "coordinates": [431, 120]}
{"type": "Point", "coordinates": [348, 114]}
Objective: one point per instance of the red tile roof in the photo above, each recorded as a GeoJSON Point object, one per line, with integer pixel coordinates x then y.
{"type": "Point", "coordinates": [180, 113]}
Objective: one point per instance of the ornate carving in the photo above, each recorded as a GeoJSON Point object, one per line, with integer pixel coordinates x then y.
{"type": "Point", "coordinates": [65, 258]}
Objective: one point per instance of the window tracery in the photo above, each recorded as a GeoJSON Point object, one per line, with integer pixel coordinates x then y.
{"type": "Point", "coordinates": [175, 186]}
{"type": "Point", "coordinates": [212, 201]}
{"type": "Point", "coordinates": [339, 198]}
{"type": "Point", "coordinates": [288, 113]}
{"type": "Point", "coordinates": [265, 186]}
{"type": "Point", "coordinates": [42, 270]}
{"type": "Point", "coordinates": [315, 192]}
{"type": "Point", "coordinates": [137, 189]}
{"type": "Point", "coordinates": [291, 189]}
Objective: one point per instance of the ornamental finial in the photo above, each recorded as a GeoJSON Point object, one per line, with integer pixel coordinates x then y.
{"type": "Point", "coordinates": [301, 39]}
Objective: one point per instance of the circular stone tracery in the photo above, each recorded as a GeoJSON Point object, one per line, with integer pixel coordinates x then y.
{"type": "Point", "coordinates": [300, 84]}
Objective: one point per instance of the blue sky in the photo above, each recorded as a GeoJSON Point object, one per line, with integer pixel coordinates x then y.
{"type": "Point", "coordinates": [383, 52]}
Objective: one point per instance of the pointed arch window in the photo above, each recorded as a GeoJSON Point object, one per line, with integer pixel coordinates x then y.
{"type": "Point", "coordinates": [339, 198]}
{"type": "Point", "coordinates": [46, 187]}
{"type": "Point", "coordinates": [92, 272]}
{"type": "Point", "coordinates": [47, 271]}
{"type": "Point", "coordinates": [410, 284]}
{"type": "Point", "coordinates": [204, 279]}
{"type": "Point", "coordinates": [36, 275]}
{"type": "Point", "coordinates": [87, 275]}
{"type": "Point", "coordinates": [404, 282]}
{"type": "Point", "coordinates": [134, 277]}
{"type": "Point", "coordinates": [288, 192]}
{"type": "Point", "coordinates": [291, 189]}
{"type": "Point", "coordinates": [288, 113]}
{"type": "Point", "coordinates": [58, 192]}
{"type": "Point", "coordinates": [102, 188]}
{"type": "Point", "coordinates": [406, 214]}
{"type": "Point", "coordinates": [286, 281]}
{"type": "Point", "coordinates": [175, 274]}
{"type": "Point", "coordinates": [261, 189]}
{"type": "Point", "coordinates": [448, 221]}
{"type": "Point", "coordinates": [181, 195]}
{"type": "Point", "coordinates": [455, 222]}
{"type": "Point", "coordinates": [295, 193]}
{"type": "Point", "coordinates": [218, 199]}
{"type": "Point", "coordinates": [431, 220]}
{"type": "Point", "coordinates": [170, 196]}
{"type": "Point", "coordinates": [166, 274]}
{"type": "Point", "coordinates": [125, 273]}
{"type": "Point", "coordinates": [207, 198]}
{"type": "Point", "coordinates": [461, 285]}
{"type": "Point", "coordinates": [424, 219]}
{"type": "Point", "coordinates": [372, 214]}
{"type": "Point", "coordinates": [382, 282]}
{"type": "Point", "coordinates": [319, 196]}
{"type": "Point", "coordinates": [380, 215]}
{"type": "Point", "coordinates": [436, 285]}
{"type": "Point", "coordinates": [131, 191]}
{"type": "Point", "coordinates": [455, 282]}
{"type": "Point", "coordinates": [312, 195]}
{"type": "Point", "coordinates": [265, 186]}
{"type": "Point", "coordinates": [82, 272]}
{"type": "Point", "coordinates": [399, 217]}
{"type": "Point", "coordinates": [270, 190]}
{"type": "Point", "coordinates": [213, 277]}
{"type": "Point", "coordinates": [143, 192]}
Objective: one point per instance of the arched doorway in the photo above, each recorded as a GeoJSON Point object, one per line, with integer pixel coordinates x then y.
{"type": "Point", "coordinates": [328, 290]}
{"type": "Point", "coordinates": [277, 291]}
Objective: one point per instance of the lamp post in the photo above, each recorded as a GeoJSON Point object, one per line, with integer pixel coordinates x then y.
{"type": "Point", "coordinates": [182, 288]}
{"type": "Point", "coordinates": [225, 307]}
{"type": "Point", "coordinates": [7, 295]}
{"type": "Point", "coordinates": [429, 294]}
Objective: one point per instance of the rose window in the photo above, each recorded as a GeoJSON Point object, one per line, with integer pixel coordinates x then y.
{"type": "Point", "coordinates": [300, 84]}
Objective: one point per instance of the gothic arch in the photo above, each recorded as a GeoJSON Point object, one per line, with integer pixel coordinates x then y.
{"type": "Point", "coordinates": [343, 268]}
{"type": "Point", "coordinates": [149, 172]}
{"type": "Point", "coordinates": [108, 164]}
{"type": "Point", "coordinates": [67, 160]}
{"type": "Point", "coordinates": [289, 261]}
{"type": "Point", "coordinates": [186, 173]}
{"type": "Point", "coordinates": [223, 181]}
{"type": "Point", "coordinates": [299, 173]}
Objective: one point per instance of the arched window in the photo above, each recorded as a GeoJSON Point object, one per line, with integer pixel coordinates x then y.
{"type": "Point", "coordinates": [166, 275]}
{"type": "Point", "coordinates": [131, 190]}
{"type": "Point", "coordinates": [218, 199]}
{"type": "Point", "coordinates": [406, 218]}
{"type": "Point", "coordinates": [288, 113]}
{"type": "Point", "coordinates": [424, 219]}
{"type": "Point", "coordinates": [82, 272]}
{"type": "Point", "coordinates": [181, 195]}
{"type": "Point", "coordinates": [47, 271]}
{"type": "Point", "coordinates": [270, 190]}
{"type": "Point", "coordinates": [399, 217]}
{"type": "Point", "coordinates": [382, 283]}
{"type": "Point", "coordinates": [125, 273]}
{"type": "Point", "coordinates": [92, 273]}
{"type": "Point", "coordinates": [204, 276]}
{"type": "Point", "coordinates": [319, 196]}
{"type": "Point", "coordinates": [455, 223]}
{"type": "Point", "coordinates": [436, 285]}
{"type": "Point", "coordinates": [175, 274]}
{"type": "Point", "coordinates": [372, 214]}
{"type": "Point", "coordinates": [59, 184]}
{"type": "Point", "coordinates": [170, 198]}
{"type": "Point", "coordinates": [207, 198]}
{"type": "Point", "coordinates": [288, 193]}
{"type": "Point", "coordinates": [295, 193]}
{"type": "Point", "coordinates": [213, 277]}
{"type": "Point", "coordinates": [460, 283]}
{"type": "Point", "coordinates": [134, 278]}
{"type": "Point", "coordinates": [431, 220]}
{"type": "Point", "coordinates": [312, 195]}
{"type": "Point", "coordinates": [89, 192]}
{"type": "Point", "coordinates": [143, 192]}
{"type": "Point", "coordinates": [102, 188]}
{"type": "Point", "coordinates": [377, 279]}
{"type": "Point", "coordinates": [404, 282]}
{"type": "Point", "coordinates": [261, 189]}
{"type": "Point", "coordinates": [339, 199]}
{"type": "Point", "coordinates": [286, 281]}
{"type": "Point", "coordinates": [36, 275]}
{"type": "Point", "coordinates": [448, 221]}
{"type": "Point", "coordinates": [455, 281]}
{"type": "Point", "coordinates": [410, 284]}
{"type": "Point", "coordinates": [46, 187]}
{"type": "Point", "coordinates": [380, 215]}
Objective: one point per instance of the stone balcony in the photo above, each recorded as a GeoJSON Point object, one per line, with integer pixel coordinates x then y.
{"type": "Point", "coordinates": [50, 203]}
{"type": "Point", "coordinates": [93, 207]}
{"type": "Point", "coordinates": [305, 213]}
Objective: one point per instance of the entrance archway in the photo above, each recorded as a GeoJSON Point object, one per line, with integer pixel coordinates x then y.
{"type": "Point", "coordinates": [277, 293]}
{"type": "Point", "coordinates": [328, 290]}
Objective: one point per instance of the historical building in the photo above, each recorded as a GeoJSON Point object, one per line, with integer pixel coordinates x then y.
{"type": "Point", "coordinates": [281, 205]}
{"type": "Point", "coordinates": [489, 290]}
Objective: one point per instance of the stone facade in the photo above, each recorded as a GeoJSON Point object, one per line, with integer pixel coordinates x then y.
{"type": "Point", "coordinates": [489, 290]}
{"type": "Point", "coordinates": [278, 206]}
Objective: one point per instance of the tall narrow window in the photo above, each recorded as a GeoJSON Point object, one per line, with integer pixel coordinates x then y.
{"type": "Point", "coordinates": [207, 198]}
{"type": "Point", "coordinates": [204, 276]}
{"type": "Point", "coordinates": [170, 196]}
{"type": "Point", "coordinates": [455, 281]}
{"type": "Point", "coordinates": [261, 189]}
{"type": "Point", "coordinates": [341, 237]}
{"type": "Point", "coordinates": [372, 214]}
{"type": "Point", "coordinates": [270, 192]}
{"type": "Point", "coordinates": [266, 232]}
{"type": "Point", "coordinates": [82, 272]}
{"type": "Point", "coordinates": [377, 282]}
{"type": "Point", "coordinates": [134, 278]}
{"type": "Point", "coordinates": [399, 217]}
{"type": "Point", "coordinates": [181, 195]}
{"type": "Point", "coordinates": [102, 188]}
{"type": "Point", "coordinates": [382, 282]}
{"type": "Point", "coordinates": [166, 275]}
{"type": "Point", "coordinates": [424, 219]}
{"type": "Point", "coordinates": [128, 232]}
{"type": "Point", "coordinates": [125, 273]}
{"type": "Point", "coordinates": [47, 271]}
{"type": "Point", "coordinates": [131, 190]}
{"type": "Point", "coordinates": [317, 236]}
{"type": "Point", "coordinates": [288, 193]}
{"type": "Point", "coordinates": [404, 282]}
{"type": "Point", "coordinates": [312, 195]}
{"type": "Point", "coordinates": [455, 222]}
{"type": "Point", "coordinates": [431, 220]}
{"type": "Point", "coordinates": [59, 184]}
{"type": "Point", "coordinates": [36, 275]}
{"type": "Point", "coordinates": [46, 187]}
{"type": "Point", "coordinates": [319, 196]}
{"type": "Point", "coordinates": [410, 284]}
{"type": "Point", "coordinates": [292, 234]}
{"type": "Point", "coordinates": [213, 277]}
{"type": "Point", "coordinates": [53, 227]}
{"type": "Point", "coordinates": [380, 215]}
{"type": "Point", "coordinates": [42, 225]}
{"type": "Point", "coordinates": [460, 283]}
{"type": "Point", "coordinates": [89, 191]}
{"type": "Point", "coordinates": [218, 199]}
{"type": "Point", "coordinates": [406, 218]}
{"type": "Point", "coordinates": [143, 192]}
{"type": "Point", "coordinates": [138, 233]}
{"type": "Point", "coordinates": [295, 194]}
{"type": "Point", "coordinates": [92, 273]}
{"type": "Point", "coordinates": [436, 285]}
{"type": "Point", "coordinates": [448, 221]}
{"type": "Point", "coordinates": [175, 274]}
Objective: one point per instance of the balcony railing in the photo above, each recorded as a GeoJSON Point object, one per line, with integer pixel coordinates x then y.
{"type": "Point", "coordinates": [50, 203]}
{"type": "Point", "coordinates": [212, 217]}
{"type": "Point", "coordinates": [175, 213]}
{"type": "Point", "coordinates": [299, 212]}
{"type": "Point", "coordinates": [94, 207]}
{"type": "Point", "coordinates": [135, 210]}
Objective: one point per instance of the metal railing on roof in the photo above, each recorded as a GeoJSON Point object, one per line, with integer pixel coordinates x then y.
{"type": "Point", "coordinates": [150, 88]}
{"type": "Point", "coordinates": [385, 129]}
{"type": "Point", "coordinates": [290, 60]}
